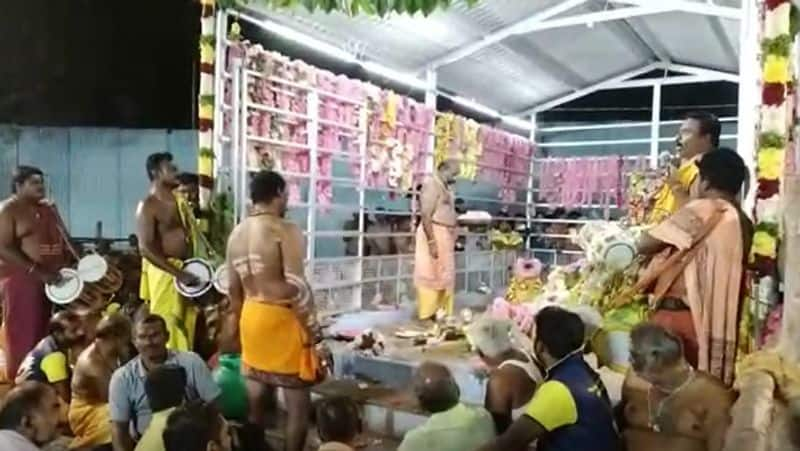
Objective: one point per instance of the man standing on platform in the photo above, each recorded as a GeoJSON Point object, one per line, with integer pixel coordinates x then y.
{"type": "Point", "coordinates": [698, 135]}
{"type": "Point", "coordinates": [273, 310]}
{"type": "Point", "coordinates": [163, 226]}
{"type": "Point", "coordinates": [434, 256]}
{"type": "Point", "coordinates": [33, 244]}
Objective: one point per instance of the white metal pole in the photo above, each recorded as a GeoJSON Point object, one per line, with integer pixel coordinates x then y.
{"type": "Point", "coordinates": [430, 102]}
{"type": "Point", "coordinates": [363, 126]}
{"type": "Point", "coordinates": [749, 99]}
{"type": "Point", "coordinates": [237, 168]}
{"type": "Point", "coordinates": [655, 125]}
{"type": "Point", "coordinates": [311, 217]}
{"type": "Point", "coordinates": [530, 206]}
{"type": "Point", "coordinates": [242, 150]}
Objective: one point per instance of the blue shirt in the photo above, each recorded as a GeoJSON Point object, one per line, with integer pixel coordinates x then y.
{"type": "Point", "coordinates": [127, 400]}
{"type": "Point", "coordinates": [573, 407]}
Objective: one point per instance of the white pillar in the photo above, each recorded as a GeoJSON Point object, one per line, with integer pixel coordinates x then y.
{"type": "Point", "coordinates": [430, 102]}
{"type": "Point", "coordinates": [655, 125]}
{"type": "Point", "coordinates": [530, 199]}
{"type": "Point", "coordinates": [749, 98]}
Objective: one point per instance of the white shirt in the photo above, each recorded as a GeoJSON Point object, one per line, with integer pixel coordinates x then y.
{"type": "Point", "coordinates": [10, 439]}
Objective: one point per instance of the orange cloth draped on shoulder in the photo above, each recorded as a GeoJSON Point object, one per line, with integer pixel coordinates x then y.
{"type": "Point", "coordinates": [712, 277]}
{"type": "Point", "coordinates": [276, 346]}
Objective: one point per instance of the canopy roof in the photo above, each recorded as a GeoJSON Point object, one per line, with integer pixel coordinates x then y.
{"type": "Point", "coordinates": [521, 56]}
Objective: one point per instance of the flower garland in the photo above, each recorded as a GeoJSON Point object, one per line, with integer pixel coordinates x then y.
{"type": "Point", "coordinates": [775, 133]}
{"type": "Point", "coordinates": [205, 100]}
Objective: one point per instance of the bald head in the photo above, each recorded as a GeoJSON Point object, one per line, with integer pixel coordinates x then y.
{"type": "Point", "coordinates": [448, 170]}
{"type": "Point", "coordinates": [435, 387]}
{"type": "Point", "coordinates": [654, 348]}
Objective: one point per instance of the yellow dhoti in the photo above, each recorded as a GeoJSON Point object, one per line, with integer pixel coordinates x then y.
{"type": "Point", "coordinates": [276, 347]}
{"type": "Point", "coordinates": [157, 288]}
{"type": "Point", "coordinates": [435, 277]}
{"type": "Point", "coordinates": [91, 424]}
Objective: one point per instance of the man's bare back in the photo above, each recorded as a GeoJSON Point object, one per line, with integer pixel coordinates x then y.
{"type": "Point", "coordinates": [160, 224]}
{"type": "Point", "coordinates": [92, 376]}
{"type": "Point", "coordinates": [695, 419]}
{"type": "Point", "coordinates": [261, 250]}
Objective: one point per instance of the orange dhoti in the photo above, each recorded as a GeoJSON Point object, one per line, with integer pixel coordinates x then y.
{"type": "Point", "coordinates": [276, 347]}
{"type": "Point", "coordinates": [435, 277]}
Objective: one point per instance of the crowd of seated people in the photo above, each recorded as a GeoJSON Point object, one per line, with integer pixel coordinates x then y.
{"type": "Point", "coordinates": [164, 400]}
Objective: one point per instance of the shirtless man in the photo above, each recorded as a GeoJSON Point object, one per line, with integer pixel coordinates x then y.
{"type": "Point", "coordinates": [514, 374]}
{"type": "Point", "coordinates": [667, 405]}
{"type": "Point", "coordinates": [265, 251]}
{"type": "Point", "coordinates": [32, 250]}
{"type": "Point", "coordinates": [164, 242]}
{"type": "Point", "coordinates": [88, 411]}
{"type": "Point", "coordinates": [434, 255]}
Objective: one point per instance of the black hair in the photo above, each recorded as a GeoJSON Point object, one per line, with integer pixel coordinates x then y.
{"type": "Point", "coordinates": [338, 420]}
{"type": "Point", "coordinates": [709, 125]}
{"type": "Point", "coordinates": [187, 178]}
{"type": "Point", "coordinates": [21, 401]}
{"type": "Point", "coordinates": [724, 170]}
{"type": "Point", "coordinates": [560, 331]}
{"type": "Point", "coordinates": [653, 346]}
{"type": "Point", "coordinates": [265, 186]}
{"type": "Point", "coordinates": [154, 162]}
{"type": "Point", "coordinates": [192, 427]}
{"type": "Point", "coordinates": [151, 319]}
{"type": "Point", "coordinates": [58, 321]}
{"type": "Point", "coordinates": [165, 387]}
{"type": "Point", "coordinates": [21, 174]}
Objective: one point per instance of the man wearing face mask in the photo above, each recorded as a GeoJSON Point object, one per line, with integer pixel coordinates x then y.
{"type": "Point", "coordinates": [570, 410]}
{"type": "Point", "coordinates": [698, 135]}
{"type": "Point", "coordinates": [434, 256]}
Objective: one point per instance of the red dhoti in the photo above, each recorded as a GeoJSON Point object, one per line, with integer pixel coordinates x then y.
{"type": "Point", "coordinates": [26, 313]}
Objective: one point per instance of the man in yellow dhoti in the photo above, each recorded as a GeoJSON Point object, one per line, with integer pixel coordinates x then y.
{"type": "Point", "coordinates": [273, 310]}
{"type": "Point", "coordinates": [698, 135]}
{"type": "Point", "coordinates": [164, 226]}
{"type": "Point", "coordinates": [434, 256]}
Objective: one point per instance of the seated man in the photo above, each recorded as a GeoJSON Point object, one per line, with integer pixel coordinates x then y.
{"type": "Point", "coordinates": [338, 424]}
{"type": "Point", "coordinates": [29, 417]}
{"type": "Point", "coordinates": [197, 426]}
{"type": "Point", "coordinates": [127, 398]}
{"type": "Point", "coordinates": [667, 405]}
{"type": "Point", "coordinates": [452, 425]}
{"type": "Point", "coordinates": [88, 410]}
{"type": "Point", "coordinates": [164, 386]}
{"type": "Point", "coordinates": [514, 373]}
{"type": "Point", "coordinates": [49, 361]}
{"type": "Point", "coordinates": [570, 410]}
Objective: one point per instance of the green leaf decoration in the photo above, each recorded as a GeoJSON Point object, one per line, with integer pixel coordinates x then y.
{"type": "Point", "coordinates": [771, 139]}
{"type": "Point", "coordinates": [207, 100]}
{"type": "Point", "coordinates": [794, 20]}
{"type": "Point", "coordinates": [780, 46]}
{"type": "Point", "coordinates": [769, 227]}
{"type": "Point", "coordinates": [379, 8]}
{"type": "Point", "coordinates": [206, 152]}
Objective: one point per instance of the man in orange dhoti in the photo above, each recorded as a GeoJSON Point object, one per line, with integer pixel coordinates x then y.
{"type": "Point", "coordinates": [434, 256]}
{"type": "Point", "coordinates": [697, 276]}
{"type": "Point", "coordinates": [273, 310]}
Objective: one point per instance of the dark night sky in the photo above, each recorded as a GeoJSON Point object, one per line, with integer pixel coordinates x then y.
{"type": "Point", "coordinates": [133, 64]}
{"type": "Point", "coordinates": [98, 62]}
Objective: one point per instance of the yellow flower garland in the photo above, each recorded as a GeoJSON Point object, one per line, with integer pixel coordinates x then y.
{"type": "Point", "coordinates": [765, 244]}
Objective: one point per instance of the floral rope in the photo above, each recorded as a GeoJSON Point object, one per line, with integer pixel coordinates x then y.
{"type": "Point", "coordinates": [205, 102]}
{"type": "Point", "coordinates": [775, 136]}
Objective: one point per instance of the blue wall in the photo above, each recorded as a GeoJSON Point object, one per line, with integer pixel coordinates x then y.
{"type": "Point", "coordinates": [93, 174]}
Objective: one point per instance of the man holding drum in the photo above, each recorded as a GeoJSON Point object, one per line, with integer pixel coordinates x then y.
{"type": "Point", "coordinates": [163, 225]}
{"type": "Point", "coordinates": [32, 250]}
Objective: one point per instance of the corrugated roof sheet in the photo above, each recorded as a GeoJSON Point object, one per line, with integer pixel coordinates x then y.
{"type": "Point", "coordinates": [525, 70]}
